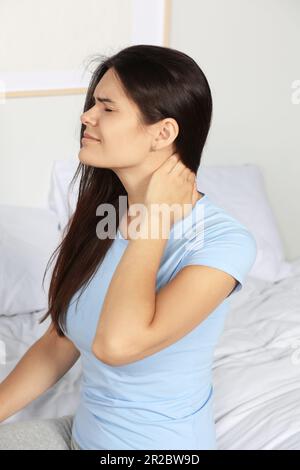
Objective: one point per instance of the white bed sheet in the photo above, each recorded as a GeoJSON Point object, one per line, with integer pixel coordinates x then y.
{"type": "Point", "coordinates": [19, 332]}
{"type": "Point", "coordinates": [257, 368]}
{"type": "Point", "coordinates": [256, 373]}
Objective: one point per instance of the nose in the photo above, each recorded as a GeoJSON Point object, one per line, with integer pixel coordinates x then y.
{"type": "Point", "coordinates": [86, 118]}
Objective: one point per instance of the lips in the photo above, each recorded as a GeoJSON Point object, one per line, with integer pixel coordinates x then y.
{"type": "Point", "coordinates": [89, 136]}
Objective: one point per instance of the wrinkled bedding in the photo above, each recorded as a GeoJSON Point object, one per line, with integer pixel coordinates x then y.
{"type": "Point", "coordinates": [256, 371]}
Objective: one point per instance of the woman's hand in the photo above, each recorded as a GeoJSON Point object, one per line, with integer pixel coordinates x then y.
{"type": "Point", "coordinates": [172, 184]}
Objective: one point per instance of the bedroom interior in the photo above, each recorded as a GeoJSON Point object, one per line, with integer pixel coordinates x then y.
{"type": "Point", "coordinates": [250, 168]}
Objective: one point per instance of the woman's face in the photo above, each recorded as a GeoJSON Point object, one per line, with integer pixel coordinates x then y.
{"type": "Point", "coordinates": [123, 142]}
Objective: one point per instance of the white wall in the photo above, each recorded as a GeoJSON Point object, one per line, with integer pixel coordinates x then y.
{"type": "Point", "coordinates": [249, 51]}
{"type": "Point", "coordinates": [47, 36]}
{"type": "Point", "coordinates": [61, 35]}
{"type": "Point", "coordinates": [34, 132]}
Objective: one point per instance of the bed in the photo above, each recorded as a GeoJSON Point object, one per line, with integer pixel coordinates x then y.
{"type": "Point", "coordinates": [256, 370]}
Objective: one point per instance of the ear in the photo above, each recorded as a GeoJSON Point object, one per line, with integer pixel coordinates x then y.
{"type": "Point", "coordinates": [167, 132]}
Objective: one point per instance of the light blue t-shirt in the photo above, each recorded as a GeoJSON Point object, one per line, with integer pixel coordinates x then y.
{"type": "Point", "coordinates": [164, 401]}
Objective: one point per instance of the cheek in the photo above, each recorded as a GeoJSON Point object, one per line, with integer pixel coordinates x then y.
{"type": "Point", "coordinates": [120, 130]}
{"type": "Point", "coordinates": [130, 138]}
{"type": "Point", "coordinates": [122, 138]}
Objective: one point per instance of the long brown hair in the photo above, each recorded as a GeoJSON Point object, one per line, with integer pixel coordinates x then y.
{"type": "Point", "coordinates": [163, 82]}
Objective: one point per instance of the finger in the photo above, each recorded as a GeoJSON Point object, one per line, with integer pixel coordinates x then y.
{"type": "Point", "coordinates": [173, 158]}
{"type": "Point", "coordinates": [168, 164]}
{"type": "Point", "coordinates": [195, 192]}
{"type": "Point", "coordinates": [194, 195]}
{"type": "Point", "coordinates": [172, 162]}
{"type": "Point", "coordinates": [186, 174]}
{"type": "Point", "coordinates": [180, 169]}
{"type": "Point", "coordinates": [192, 181]}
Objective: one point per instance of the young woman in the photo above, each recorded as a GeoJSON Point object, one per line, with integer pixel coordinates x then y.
{"type": "Point", "coordinates": [149, 309]}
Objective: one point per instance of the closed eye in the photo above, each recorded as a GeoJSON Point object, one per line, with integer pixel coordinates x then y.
{"type": "Point", "coordinates": [105, 109]}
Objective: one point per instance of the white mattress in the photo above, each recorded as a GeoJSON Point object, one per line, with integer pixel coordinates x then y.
{"type": "Point", "coordinates": [256, 373]}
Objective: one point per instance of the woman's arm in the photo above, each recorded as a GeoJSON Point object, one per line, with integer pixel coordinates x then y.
{"type": "Point", "coordinates": [129, 304]}
{"type": "Point", "coordinates": [44, 363]}
{"type": "Point", "coordinates": [128, 309]}
{"type": "Point", "coordinates": [178, 307]}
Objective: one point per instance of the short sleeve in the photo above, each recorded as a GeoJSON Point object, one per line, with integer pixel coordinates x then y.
{"type": "Point", "coordinates": [233, 252]}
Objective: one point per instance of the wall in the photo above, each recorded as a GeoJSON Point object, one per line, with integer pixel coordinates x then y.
{"type": "Point", "coordinates": [248, 49]}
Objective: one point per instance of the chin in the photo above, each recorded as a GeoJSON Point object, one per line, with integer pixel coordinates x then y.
{"type": "Point", "coordinates": [89, 158]}
{"type": "Point", "coordinates": [86, 156]}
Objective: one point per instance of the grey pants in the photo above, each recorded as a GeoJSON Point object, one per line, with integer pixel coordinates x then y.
{"type": "Point", "coordinates": [38, 434]}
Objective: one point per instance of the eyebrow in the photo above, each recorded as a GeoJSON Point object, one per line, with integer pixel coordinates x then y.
{"type": "Point", "coordinates": [104, 100]}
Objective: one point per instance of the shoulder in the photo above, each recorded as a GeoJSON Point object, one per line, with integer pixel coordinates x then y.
{"type": "Point", "coordinates": [219, 240]}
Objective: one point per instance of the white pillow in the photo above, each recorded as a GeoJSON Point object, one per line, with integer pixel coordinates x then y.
{"type": "Point", "coordinates": [61, 198]}
{"type": "Point", "coordinates": [28, 237]}
{"type": "Point", "coordinates": [240, 191]}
